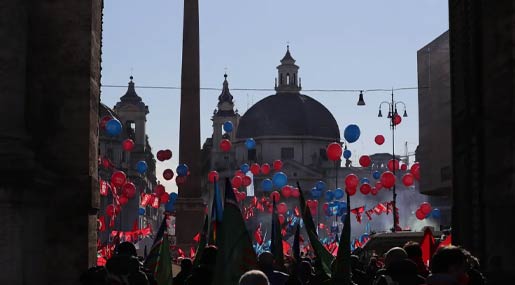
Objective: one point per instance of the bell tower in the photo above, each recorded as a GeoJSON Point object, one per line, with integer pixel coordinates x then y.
{"type": "Point", "coordinates": [288, 80]}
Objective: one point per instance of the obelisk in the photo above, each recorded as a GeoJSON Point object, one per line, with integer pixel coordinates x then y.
{"type": "Point", "coordinates": [190, 207]}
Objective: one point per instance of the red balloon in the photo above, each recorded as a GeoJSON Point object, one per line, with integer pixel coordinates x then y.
{"type": "Point", "coordinates": [265, 168]}
{"type": "Point", "coordinates": [164, 198]}
{"type": "Point", "coordinates": [110, 210]}
{"type": "Point", "coordinates": [278, 165]}
{"type": "Point", "coordinates": [415, 170]}
{"type": "Point", "coordinates": [350, 191]}
{"type": "Point", "coordinates": [314, 203]}
{"type": "Point", "coordinates": [243, 196]}
{"type": "Point", "coordinates": [179, 180]}
{"type": "Point", "coordinates": [167, 154]}
{"type": "Point", "coordinates": [419, 214]}
{"type": "Point", "coordinates": [168, 174]}
{"type": "Point", "coordinates": [212, 176]}
{"type": "Point", "coordinates": [408, 179]}
{"type": "Point", "coordinates": [239, 173]}
{"type": "Point", "coordinates": [365, 161]}
{"type": "Point", "coordinates": [128, 145]}
{"type": "Point", "coordinates": [379, 139]}
{"type": "Point", "coordinates": [334, 151]}
{"type": "Point", "coordinates": [161, 155]}
{"type": "Point", "coordinates": [282, 208]}
{"type": "Point", "coordinates": [391, 163]}
{"type": "Point", "coordinates": [295, 192]}
{"type": "Point", "coordinates": [246, 181]}
{"type": "Point", "coordinates": [387, 179]}
{"type": "Point", "coordinates": [286, 191]}
{"type": "Point", "coordinates": [374, 191]}
{"type": "Point", "coordinates": [104, 121]}
{"type": "Point", "coordinates": [225, 145]}
{"type": "Point", "coordinates": [281, 218]}
{"type": "Point", "coordinates": [275, 196]}
{"type": "Point", "coordinates": [129, 190]}
{"type": "Point", "coordinates": [123, 200]}
{"type": "Point", "coordinates": [397, 119]}
{"type": "Point", "coordinates": [236, 181]}
{"type": "Point", "coordinates": [255, 168]}
{"type": "Point", "coordinates": [351, 181]}
{"type": "Point", "coordinates": [425, 208]}
{"type": "Point", "coordinates": [404, 167]}
{"type": "Point", "coordinates": [325, 206]}
{"type": "Point", "coordinates": [159, 189]}
{"type": "Point", "coordinates": [118, 178]}
{"type": "Point", "coordinates": [105, 162]}
{"type": "Point", "coordinates": [379, 185]}
{"type": "Point", "coordinates": [365, 189]}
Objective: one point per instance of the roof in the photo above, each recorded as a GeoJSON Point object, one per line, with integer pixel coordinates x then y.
{"type": "Point", "coordinates": [288, 115]}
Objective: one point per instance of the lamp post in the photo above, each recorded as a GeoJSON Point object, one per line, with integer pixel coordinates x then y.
{"type": "Point", "coordinates": [392, 115]}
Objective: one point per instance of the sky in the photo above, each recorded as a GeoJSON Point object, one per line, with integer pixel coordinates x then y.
{"type": "Point", "coordinates": [338, 44]}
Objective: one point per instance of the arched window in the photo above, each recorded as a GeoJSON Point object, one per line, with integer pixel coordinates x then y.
{"type": "Point", "coordinates": [287, 79]}
{"type": "Point", "coordinates": [295, 79]}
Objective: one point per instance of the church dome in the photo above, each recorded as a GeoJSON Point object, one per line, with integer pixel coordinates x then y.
{"type": "Point", "coordinates": [288, 115]}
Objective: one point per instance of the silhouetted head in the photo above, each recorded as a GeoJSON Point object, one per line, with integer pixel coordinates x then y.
{"type": "Point", "coordinates": [354, 262]}
{"type": "Point", "coordinates": [209, 255]}
{"type": "Point", "coordinates": [413, 249]}
{"type": "Point", "coordinates": [306, 270]}
{"type": "Point", "coordinates": [449, 260]}
{"type": "Point", "coordinates": [126, 248]}
{"type": "Point", "coordinates": [186, 264]}
{"type": "Point", "coordinates": [393, 255]}
{"type": "Point", "coordinates": [266, 260]}
{"type": "Point", "coordinates": [254, 277]}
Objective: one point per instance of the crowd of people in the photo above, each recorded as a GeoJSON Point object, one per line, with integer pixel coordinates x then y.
{"type": "Point", "coordinates": [450, 265]}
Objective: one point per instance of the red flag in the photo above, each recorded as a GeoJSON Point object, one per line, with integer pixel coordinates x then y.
{"type": "Point", "coordinates": [369, 214]}
{"type": "Point", "coordinates": [258, 236]}
{"type": "Point", "coordinates": [101, 224]}
{"type": "Point", "coordinates": [180, 252]}
{"type": "Point", "coordinates": [196, 238]}
{"type": "Point", "coordinates": [286, 248]}
{"type": "Point", "coordinates": [297, 211]}
{"type": "Point", "coordinates": [446, 242]}
{"type": "Point", "coordinates": [135, 225]}
{"type": "Point", "coordinates": [380, 208]}
{"type": "Point", "coordinates": [192, 252]}
{"type": "Point", "coordinates": [155, 202]}
{"type": "Point", "coordinates": [427, 245]}
{"type": "Point", "coordinates": [145, 199]}
{"type": "Point", "coordinates": [146, 230]}
{"type": "Point", "coordinates": [357, 243]}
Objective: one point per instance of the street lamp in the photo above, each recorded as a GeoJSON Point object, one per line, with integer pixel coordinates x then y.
{"type": "Point", "coordinates": [392, 114]}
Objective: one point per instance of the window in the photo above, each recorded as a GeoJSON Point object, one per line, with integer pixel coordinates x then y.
{"type": "Point", "coordinates": [287, 153]}
{"type": "Point", "coordinates": [287, 79]}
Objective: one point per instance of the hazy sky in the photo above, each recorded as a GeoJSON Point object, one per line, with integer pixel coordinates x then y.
{"type": "Point", "coordinates": [338, 44]}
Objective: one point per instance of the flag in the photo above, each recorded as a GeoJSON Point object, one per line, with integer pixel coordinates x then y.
{"type": "Point", "coordinates": [201, 243]}
{"type": "Point", "coordinates": [151, 260]}
{"type": "Point", "coordinates": [258, 236]}
{"type": "Point", "coordinates": [216, 215]}
{"type": "Point", "coordinates": [276, 245]}
{"type": "Point", "coordinates": [163, 269]}
{"type": "Point", "coordinates": [427, 245]}
{"type": "Point", "coordinates": [135, 225]}
{"type": "Point", "coordinates": [342, 270]}
{"type": "Point", "coordinates": [321, 252]}
{"type": "Point", "coordinates": [235, 254]}
{"type": "Point", "coordinates": [446, 242]}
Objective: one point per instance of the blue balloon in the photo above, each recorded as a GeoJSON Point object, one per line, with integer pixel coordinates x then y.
{"type": "Point", "coordinates": [228, 126]}
{"type": "Point", "coordinates": [376, 175]}
{"type": "Point", "coordinates": [364, 180]}
{"type": "Point", "coordinates": [173, 196]}
{"type": "Point", "coordinates": [244, 168]}
{"type": "Point", "coordinates": [250, 143]}
{"type": "Point", "coordinates": [315, 193]}
{"type": "Point", "coordinates": [141, 211]}
{"type": "Point", "coordinates": [280, 179]}
{"type": "Point", "coordinates": [113, 127]}
{"type": "Point", "coordinates": [320, 185]}
{"type": "Point", "coordinates": [267, 185]}
{"type": "Point", "coordinates": [338, 193]}
{"type": "Point", "coordinates": [169, 207]}
{"type": "Point", "coordinates": [141, 166]}
{"type": "Point", "coordinates": [436, 213]}
{"type": "Point", "coordinates": [351, 133]}
{"type": "Point", "coordinates": [182, 170]}
{"type": "Point", "coordinates": [329, 195]}
{"type": "Point", "coordinates": [347, 154]}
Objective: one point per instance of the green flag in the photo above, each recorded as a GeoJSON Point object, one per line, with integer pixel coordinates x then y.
{"type": "Point", "coordinates": [202, 243]}
{"type": "Point", "coordinates": [342, 270]}
{"type": "Point", "coordinates": [163, 271]}
{"type": "Point", "coordinates": [321, 252]}
{"type": "Point", "coordinates": [276, 243]}
{"type": "Point", "coordinates": [235, 254]}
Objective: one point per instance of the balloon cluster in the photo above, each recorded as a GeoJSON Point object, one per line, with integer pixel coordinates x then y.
{"type": "Point", "coordinates": [423, 211]}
